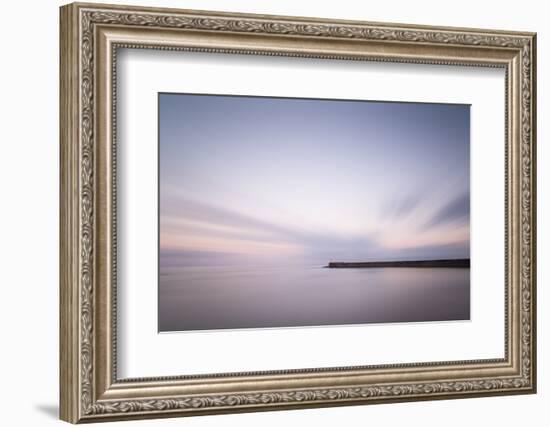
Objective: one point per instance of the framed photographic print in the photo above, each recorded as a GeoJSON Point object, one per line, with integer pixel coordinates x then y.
{"type": "Point", "coordinates": [265, 212]}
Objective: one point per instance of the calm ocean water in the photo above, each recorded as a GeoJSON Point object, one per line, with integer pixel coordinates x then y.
{"type": "Point", "coordinates": [229, 297]}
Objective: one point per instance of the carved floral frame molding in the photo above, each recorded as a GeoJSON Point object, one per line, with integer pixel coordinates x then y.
{"type": "Point", "coordinates": [90, 37]}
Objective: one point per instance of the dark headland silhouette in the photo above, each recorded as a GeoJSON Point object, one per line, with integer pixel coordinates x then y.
{"type": "Point", "coordinates": [433, 263]}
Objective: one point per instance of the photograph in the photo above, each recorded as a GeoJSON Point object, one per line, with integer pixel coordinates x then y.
{"type": "Point", "coordinates": [297, 212]}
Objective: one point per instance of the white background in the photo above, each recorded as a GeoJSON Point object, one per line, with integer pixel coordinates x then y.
{"type": "Point", "coordinates": [29, 172]}
{"type": "Point", "coordinates": [145, 353]}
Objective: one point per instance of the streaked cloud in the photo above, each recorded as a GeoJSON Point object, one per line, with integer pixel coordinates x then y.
{"type": "Point", "coordinates": [321, 180]}
{"type": "Point", "coordinates": [457, 210]}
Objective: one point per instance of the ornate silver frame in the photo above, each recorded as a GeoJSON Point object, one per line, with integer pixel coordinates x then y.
{"type": "Point", "coordinates": [90, 36]}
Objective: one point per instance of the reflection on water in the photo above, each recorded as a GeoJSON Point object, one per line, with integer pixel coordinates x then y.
{"type": "Point", "coordinates": [199, 298]}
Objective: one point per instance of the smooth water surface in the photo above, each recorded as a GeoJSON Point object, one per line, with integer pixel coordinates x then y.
{"type": "Point", "coordinates": [229, 297]}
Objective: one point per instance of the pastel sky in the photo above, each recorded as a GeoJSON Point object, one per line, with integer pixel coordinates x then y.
{"type": "Point", "coordinates": [258, 179]}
